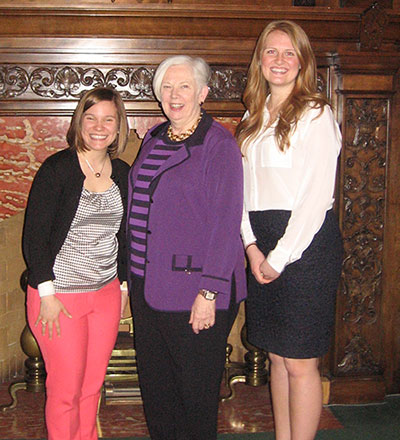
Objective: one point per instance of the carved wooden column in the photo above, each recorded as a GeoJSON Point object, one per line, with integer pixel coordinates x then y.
{"type": "Point", "coordinates": [358, 353]}
{"type": "Point", "coordinates": [365, 360]}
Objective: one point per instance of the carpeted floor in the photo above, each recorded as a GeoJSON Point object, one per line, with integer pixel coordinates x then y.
{"type": "Point", "coordinates": [360, 422]}
{"type": "Point", "coordinates": [249, 412]}
{"type": "Point", "coordinates": [367, 422]}
{"type": "Point", "coordinates": [247, 417]}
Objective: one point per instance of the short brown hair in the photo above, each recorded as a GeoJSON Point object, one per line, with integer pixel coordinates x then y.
{"type": "Point", "coordinates": [88, 100]}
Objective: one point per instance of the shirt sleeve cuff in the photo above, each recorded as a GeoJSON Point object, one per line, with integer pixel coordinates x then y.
{"type": "Point", "coordinates": [247, 235]}
{"type": "Point", "coordinates": [46, 288]}
{"type": "Point", "coordinates": [124, 286]}
{"type": "Point", "coordinates": [278, 259]}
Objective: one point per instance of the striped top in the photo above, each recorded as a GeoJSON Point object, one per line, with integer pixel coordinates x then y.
{"type": "Point", "coordinates": [87, 260]}
{"type": "Point", "coordinates": [141, 197]}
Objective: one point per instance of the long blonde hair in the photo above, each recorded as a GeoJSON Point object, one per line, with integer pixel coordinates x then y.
{"type": "Point", "coordinates": [304, 92]}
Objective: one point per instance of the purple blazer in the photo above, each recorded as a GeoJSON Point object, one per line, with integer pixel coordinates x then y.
{"type": "Point", "coordinates": [193, 239]}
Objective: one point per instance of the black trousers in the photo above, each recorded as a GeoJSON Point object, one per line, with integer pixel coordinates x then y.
{"type": "Point", "coordinates": [179, 372]}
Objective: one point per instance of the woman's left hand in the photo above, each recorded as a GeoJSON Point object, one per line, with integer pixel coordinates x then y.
{"type": "Point", "coordinates": [269, 274]}
{"type": "Point", "coordinates": [202, 316]}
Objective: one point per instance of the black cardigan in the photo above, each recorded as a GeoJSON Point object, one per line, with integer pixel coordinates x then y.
{"type": "Point", "coordinates": [52, 204]}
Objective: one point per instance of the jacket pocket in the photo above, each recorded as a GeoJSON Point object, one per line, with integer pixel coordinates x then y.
{"type": "Point", "coordinates": [185, 263]}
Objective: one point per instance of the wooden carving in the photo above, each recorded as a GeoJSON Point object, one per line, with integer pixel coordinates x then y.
{"type": "Point", "coordinates": [373, 23]}
{"type": "Point", "coordinates": [364, 160]}
{"type": "Point", "coordinates": [134, 83]}
{"type": "Point", "coordinates": [14, 81]}
{"type": "Point", "coordinates": [227, 84]}
{"type": "Point", "coordinates": [358, 357]}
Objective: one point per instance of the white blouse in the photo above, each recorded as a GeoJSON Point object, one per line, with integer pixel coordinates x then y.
{"type": "Point", "coordinates": [300, 180]}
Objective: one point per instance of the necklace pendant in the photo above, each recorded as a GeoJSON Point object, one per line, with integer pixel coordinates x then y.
{"type": "Point", "coordinates": [96, 173]}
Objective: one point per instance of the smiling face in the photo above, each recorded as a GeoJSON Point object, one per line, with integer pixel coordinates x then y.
{"type": "Point", "coordinates": [279, 62]}
{"type": "Point", "coordinates": [100, 125]}
{"type": "Point", "coordinates": [181, 97]}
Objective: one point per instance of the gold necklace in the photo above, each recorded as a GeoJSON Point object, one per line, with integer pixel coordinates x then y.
{"type": "Point", "coordinates": [181, 137]}
{"type": "Point", "coordinates": [98, 173]}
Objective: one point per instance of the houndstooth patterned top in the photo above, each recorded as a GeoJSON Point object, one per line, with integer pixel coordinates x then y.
{"type": "Point", "coordinates": [87, 261]}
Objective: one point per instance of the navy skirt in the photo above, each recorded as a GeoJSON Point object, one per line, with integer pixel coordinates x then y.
{"type": "Point", "coordinates": [294, 315]}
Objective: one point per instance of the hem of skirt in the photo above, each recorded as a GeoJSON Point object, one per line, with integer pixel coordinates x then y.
{"type": "Point", "coordinates": [291, 355]}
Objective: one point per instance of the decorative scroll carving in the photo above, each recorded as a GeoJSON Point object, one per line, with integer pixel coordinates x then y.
{"type": "Point", "coordinates": [134, 83]}
{"type": "Point", "coordinates": [373, 23]}
{"type": "Point", "coordinates": [14, 81]}
{"type": "Point", "coordinates": [363, 218]}
{"type": "Point", "coordinates": [65, 82]}
{"type": "Point", "coordinates": [227, 84]}
{"type": "Point", "coordinates": [140, 83]}
{"type": "Point", "coordinates": [358, 358]}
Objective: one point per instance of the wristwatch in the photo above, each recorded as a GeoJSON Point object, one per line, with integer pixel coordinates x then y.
{"type": "Point", "coordinates": [208, 294]}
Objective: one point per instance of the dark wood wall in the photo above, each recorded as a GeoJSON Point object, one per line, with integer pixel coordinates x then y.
{"type": "Point", "coordinates": [52, 51]}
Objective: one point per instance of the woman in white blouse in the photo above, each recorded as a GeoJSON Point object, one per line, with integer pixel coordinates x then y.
{"type": "Point", "coordinates": [290, 144]}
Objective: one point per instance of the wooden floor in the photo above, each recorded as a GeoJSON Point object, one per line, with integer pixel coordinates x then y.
{"type": "Point", "coordinates": [249, 411]}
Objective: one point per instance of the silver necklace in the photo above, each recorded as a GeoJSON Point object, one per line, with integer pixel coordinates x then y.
{"type": "Point", "coordinates": [98, 173]}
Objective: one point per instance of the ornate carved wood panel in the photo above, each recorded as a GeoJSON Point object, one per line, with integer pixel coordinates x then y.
{"type": "Point", "coordinates": [133, 82]}
{"type": "Point", "coordinates": [358, 356]}
{"type": "Point", "coordinates": [363, 202]}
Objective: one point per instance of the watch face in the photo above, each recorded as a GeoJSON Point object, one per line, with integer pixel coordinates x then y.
{"type": "Point", "coordinates": [208, 294]}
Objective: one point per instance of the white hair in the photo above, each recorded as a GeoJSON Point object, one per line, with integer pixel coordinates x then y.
{"type": "Point", "coordinates": [201, 71]}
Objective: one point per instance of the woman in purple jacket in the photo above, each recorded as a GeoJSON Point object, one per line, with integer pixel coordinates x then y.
{"type": "Point", "coordinates": [186, 256]}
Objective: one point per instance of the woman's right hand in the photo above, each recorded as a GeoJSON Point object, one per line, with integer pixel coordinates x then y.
{"type": "Point", "coordinates": [256, 258]}
{"type": "Point", "coordinates": [50, 309]}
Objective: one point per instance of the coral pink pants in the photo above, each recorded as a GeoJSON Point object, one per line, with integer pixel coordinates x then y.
{"type": "Point", "coordinates": [76, 361]}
